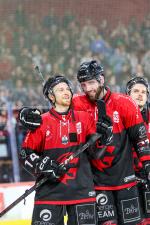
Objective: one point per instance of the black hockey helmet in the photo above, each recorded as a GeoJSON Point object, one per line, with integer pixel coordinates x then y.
{"type": "Point", "coordinates": [52, 81]}
{"type": "Point", "coordinates": [136, 80]}
{"type": "Point", "coordinates": [89, 70]}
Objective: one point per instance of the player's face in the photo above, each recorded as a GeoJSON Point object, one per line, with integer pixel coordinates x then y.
{"type": "Point", "coordinates": [62, 95]}
{"type": "Point", "coordinates": [90, 88]}
{"type": "Point", "coordinates": [139, 94]}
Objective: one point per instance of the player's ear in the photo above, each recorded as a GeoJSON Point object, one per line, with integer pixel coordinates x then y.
{"type": "Point", "coordinates": [51, 98]}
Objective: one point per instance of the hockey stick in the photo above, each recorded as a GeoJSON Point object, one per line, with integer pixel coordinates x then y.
{"type": "Point", "coordinates": [43, 180]}
{"type": "Point", "coordinates": [37, 69]}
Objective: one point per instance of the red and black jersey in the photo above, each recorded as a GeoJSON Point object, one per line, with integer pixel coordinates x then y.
{"type": "Point", "coordinates": [147, 123]}
{"type": "Point", "coordinates": [58, 137]}
{"type": "Point", "coordinates": [137, 162]}
{"type": "Point", "coordinates": [115, 170]}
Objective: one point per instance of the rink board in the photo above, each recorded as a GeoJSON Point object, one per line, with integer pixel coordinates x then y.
{"type": "Point", "coordinates": [16, 222]}
{"type": "Point", "coordinates": [21, 213]}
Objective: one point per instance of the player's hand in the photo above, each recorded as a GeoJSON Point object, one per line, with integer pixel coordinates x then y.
{"type": "Point", "coordinates": [47, 167]}
{"type": "Point", "coordinates": [104, 127]}
{"type": "Point", "coordinates": [30, 118]}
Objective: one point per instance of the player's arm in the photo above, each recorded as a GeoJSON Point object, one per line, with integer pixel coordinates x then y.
{"type": "Point", "coordinates": [35, 161]}
{"type": "Point", "coordinates": [138, 134]}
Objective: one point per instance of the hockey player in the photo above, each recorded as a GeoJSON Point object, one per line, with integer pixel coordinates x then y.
{"type": "Point", "coordinates": [114, 177]}
{"type": "Point", "coordinates": [138, 89]}
{"type": "Point", "coordinates": [117, 195]}
{"type": "Point", "coordinates": [61, 133]}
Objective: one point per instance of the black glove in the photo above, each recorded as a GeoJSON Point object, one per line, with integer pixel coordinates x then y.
{"type": "Point", "coordinates": [50, 168]}
{"type": "Point", "coordinates": [104, 127]}
{"type": "Point", "coordinates": [30, 118]}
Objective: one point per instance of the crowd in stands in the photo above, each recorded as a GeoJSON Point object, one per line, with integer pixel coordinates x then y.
{"type": "Point", "coordinates": [60, 45]}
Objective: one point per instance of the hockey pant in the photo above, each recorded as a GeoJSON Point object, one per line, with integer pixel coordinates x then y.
{"type": "Point", "coordinates": [79, 214]}
{"type": "Point", "coordinates": [122, 207]}
{"type": "Point", "coordinates": [145, 203]}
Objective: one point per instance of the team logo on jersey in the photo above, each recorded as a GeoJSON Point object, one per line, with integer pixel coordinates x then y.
{"type": "Point", "coordinates": [48, 133]}
{"type": "Point", "coordinates": [79, 128]}
{"type": "Point", "coordinates": [45, 215]}
{"type": "Point", "coordinates": [102, 199]}
{"type": "Point", "coordinates": [116, 117]}
{"type": "Point", "coordinates": [64, 140]}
